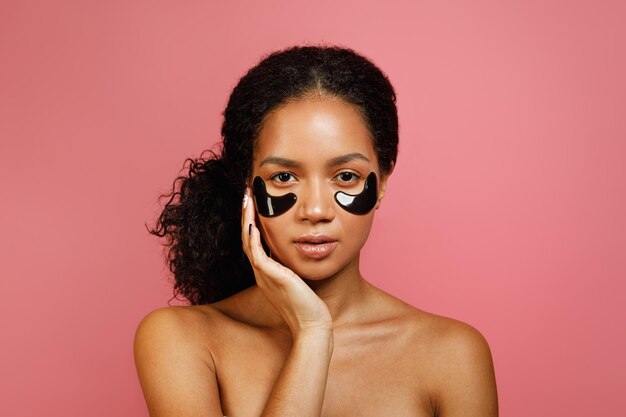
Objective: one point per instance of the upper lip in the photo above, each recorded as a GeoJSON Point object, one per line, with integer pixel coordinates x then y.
{"type": "Point", "coordinates": [310, 238]}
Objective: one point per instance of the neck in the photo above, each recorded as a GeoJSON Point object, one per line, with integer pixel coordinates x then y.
{"type": "Point", "coordinates": [344, 293]}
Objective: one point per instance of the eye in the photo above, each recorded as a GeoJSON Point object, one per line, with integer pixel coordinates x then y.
{"type": "Point", "coordinates": [283, 177]}
{"type": "Point", "coordinates": [347, 177]}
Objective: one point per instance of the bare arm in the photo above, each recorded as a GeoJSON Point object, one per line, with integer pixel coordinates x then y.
{"type": "Point", "coordinates": [468, 384]}
{"type": "Point", "coordinates": [175, 369]}
{"type": "Point", "coordinates": [299, 389]}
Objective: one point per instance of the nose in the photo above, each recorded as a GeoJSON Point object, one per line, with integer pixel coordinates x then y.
{"type": "Point", "coordinates": [316, 202]}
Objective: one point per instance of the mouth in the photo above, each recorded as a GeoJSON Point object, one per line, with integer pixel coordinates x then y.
{"type": "Point", "coordinates": [315, 246]}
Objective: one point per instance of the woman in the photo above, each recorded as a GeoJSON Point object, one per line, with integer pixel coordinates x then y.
{"type": "Point", "coordinates": [282, 323]}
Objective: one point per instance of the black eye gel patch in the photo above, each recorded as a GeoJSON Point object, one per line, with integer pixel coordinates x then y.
{"type": "Point", "coordinates": [363, 202]}
{"type": "Point", "coordinates": [269, 205]}
{"type": "Point", "coordinates": [272, 206]}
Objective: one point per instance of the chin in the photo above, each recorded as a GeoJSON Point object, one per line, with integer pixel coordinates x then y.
{"type": "Point", "coordinates": [311, 271]}
{"type": "Point", "coordinates": [317, 270]}
{"type": "Point", "coordinates": [316, 277]}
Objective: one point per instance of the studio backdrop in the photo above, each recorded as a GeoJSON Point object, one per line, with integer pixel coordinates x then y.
{"type": "Point", "coordinates": [505, 211]}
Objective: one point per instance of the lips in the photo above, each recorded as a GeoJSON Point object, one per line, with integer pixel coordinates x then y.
{"type": "Point", "coordinates": [315, 246]}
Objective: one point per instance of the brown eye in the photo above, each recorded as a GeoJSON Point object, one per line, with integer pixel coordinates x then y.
{"type": "Point", "coordinates": [347, 177]}
{"type": "Point", "coordinates": [282, 177]}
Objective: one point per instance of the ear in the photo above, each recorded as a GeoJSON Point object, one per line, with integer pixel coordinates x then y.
{"type": "Point", "coordinates": [383, 186]}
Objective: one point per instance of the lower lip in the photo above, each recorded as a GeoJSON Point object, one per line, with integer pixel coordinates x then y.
{"type": "Point", "coordinates": [316, 250]}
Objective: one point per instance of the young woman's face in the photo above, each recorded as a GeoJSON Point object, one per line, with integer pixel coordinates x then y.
{"type": "Point", "coordinates": [313, 148]}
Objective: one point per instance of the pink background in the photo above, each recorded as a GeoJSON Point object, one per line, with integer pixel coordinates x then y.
{"type": "Point", "coordinates": [506, 210]}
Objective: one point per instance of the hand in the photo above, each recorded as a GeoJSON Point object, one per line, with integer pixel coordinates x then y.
{"type": "Point", "coordinates": [295, 301]}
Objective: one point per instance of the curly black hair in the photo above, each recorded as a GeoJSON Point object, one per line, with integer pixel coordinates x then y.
{"type": "Point", "coordinates": [202, 219]}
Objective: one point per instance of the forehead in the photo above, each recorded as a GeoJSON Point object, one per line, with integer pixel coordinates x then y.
{"type": "Point", "coordinates": [314, 129]}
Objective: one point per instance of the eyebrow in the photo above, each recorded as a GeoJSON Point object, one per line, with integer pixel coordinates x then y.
{"type": "Point", "coordinates": [347, 158]}
{"type": "Point", "coordinates": [277, 160]}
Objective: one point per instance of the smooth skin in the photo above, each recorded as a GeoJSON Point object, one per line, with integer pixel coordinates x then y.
{"type": "Point", "coordinates": [312, 337]}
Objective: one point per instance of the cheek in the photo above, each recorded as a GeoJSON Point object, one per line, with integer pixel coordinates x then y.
{"type": "Point", "coordinates": [355, 228]}
{"type": "Point", "coordinates": [274, 230]}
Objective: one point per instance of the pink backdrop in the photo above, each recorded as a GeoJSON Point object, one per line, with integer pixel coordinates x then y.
{"type": "Point", "coordinates": [506, 209]}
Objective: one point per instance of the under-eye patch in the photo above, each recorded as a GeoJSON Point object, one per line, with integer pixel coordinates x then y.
{"type": "Point", "coordinates": [269, 205]}
{"type": "Point", "coordinates": [363, 202]}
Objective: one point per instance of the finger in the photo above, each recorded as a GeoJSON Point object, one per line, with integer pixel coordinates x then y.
{"type": "Point", "coordinates": [247, 217]}
{"type": "Point", "coordinates": [244, 204]}
{"type": "Point", "coordinates": [251, 246]}
{"type": "Point", "coordinates": [268, 268]}
{"type": "Point", "coordinates": [256, 255]}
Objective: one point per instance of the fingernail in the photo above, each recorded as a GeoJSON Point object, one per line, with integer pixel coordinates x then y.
{"type": "Point", "coordinates": [250, 229]}
{"type": "Point", "coordinates": [245, 199]}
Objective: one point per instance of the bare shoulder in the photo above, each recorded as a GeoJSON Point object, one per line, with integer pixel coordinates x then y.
{"type": "Point", "coordinates": [182, 326]}
{"type": "Point", "coordinates": [452, 336]}
{"type": "Point", "coordinates": [450, 358]}
{"type": "Point", "coordinates": [174, 362]}
{"type": "Point", "coordinates": [183, 316]}
{"type": "Point", "coordinates": [437, 335]}
{"type": "Point", "coordinates": [449, 336]}
{"type": "Point", "coordinates": [460, 366]}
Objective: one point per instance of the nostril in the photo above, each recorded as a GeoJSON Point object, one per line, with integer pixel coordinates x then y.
{"type": "Point", "coordinates": [317, 211]}
{"type": "Point", "coordinates": [315, 201]}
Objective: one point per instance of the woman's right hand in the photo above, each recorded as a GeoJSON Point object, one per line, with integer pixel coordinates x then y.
{"type": "Point", "coordinates": [295, 301]}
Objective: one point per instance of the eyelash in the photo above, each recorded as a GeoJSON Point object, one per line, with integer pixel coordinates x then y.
{"type": "Point", "coordinates": [355, 177]}
{"type": "Point", "coordinates": [275, 177]}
